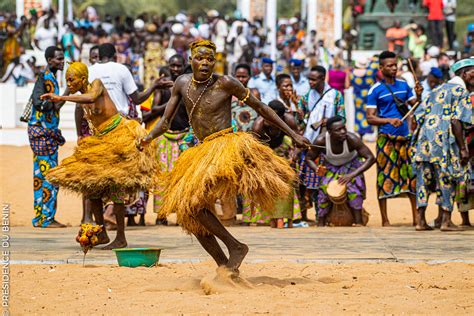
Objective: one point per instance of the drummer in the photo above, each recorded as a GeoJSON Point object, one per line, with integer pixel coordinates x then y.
{"type": "Point", "coordinates": [344, 158]}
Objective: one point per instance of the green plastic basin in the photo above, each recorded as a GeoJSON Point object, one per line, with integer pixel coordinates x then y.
{"type": "Point", "coordinates": [137, 257]}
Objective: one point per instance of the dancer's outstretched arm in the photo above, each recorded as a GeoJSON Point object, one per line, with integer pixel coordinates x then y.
{"type": "Point", "coordinates": [238, 90]}
{"type": "Point", "coordinates": [96, 90]}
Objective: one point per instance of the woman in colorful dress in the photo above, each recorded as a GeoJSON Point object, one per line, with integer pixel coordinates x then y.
{"type": "Point", "coordinates": [361, 79]}
{"type": "Point", "coordinates": [287, 208]}
{"type": "Point", "coordinates": [154, 57]}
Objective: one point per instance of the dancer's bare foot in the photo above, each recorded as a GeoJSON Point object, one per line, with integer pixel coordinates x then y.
{"type": "Point", "coordinates": [236, 256]}
{"type": "Point", "coordinates": [117, 243]}
{"type": "Point", "coordinates": [103, 238]}
{"type": "Point", "coordinates": [386, 224]}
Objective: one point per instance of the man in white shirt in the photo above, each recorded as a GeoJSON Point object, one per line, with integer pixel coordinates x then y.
{"type": "Point", "coordinates": [220, 30]}
{"type": "Point", "coordinates": [118, 80]}
{"type": "Point", "coordinates": [45, 36]}
{"type": "Point", "coordinates": [240, 43]}
{"type": "Point", "coordinates": [107, 25]}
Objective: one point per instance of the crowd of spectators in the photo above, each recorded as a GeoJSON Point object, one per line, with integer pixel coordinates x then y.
{"type": "Point", "coordinates": [303, 70]}
{"type": "Point", "coordinates": [145, 42]}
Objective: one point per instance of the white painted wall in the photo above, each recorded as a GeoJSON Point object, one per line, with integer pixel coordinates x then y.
{"type": "Point", "coordinates": [271, 23]}
{"type": "Point", "coordinates": [13, 101]}
{"type": "Point", "coordinates": [8, 105]}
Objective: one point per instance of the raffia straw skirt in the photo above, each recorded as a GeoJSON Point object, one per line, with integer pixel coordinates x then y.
{"type": "Point", "coordinates": [108, 162]}
{"type": "Point", "coordinates": [225, 164]}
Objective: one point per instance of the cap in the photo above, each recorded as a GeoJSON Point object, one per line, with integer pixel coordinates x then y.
{"type": "Point", "coordinates": [436, 72]}
{"type": "Point", "coordinates": [293, 20]}
{"type": "Point", "coordinates": [181, 17]}
{"type": "Point", "coordinates": [139, 24]}
{"type": "Point", "coordinates": [463, 63]}
{"type": "Point", "coordinates": [433, 51]}
{"type": "Point", "coordinates": [177, 28]}
{"type": "Point", "coordinates": [151, 28]}
{"type": "Point", "coordinates": [361, 62]}
{"type": "Point", "coordinates": [266, 60]}
{"type": "Point", "coordinates": [213, 13]}
{"type": "Point", "coordinates": [295, 62]}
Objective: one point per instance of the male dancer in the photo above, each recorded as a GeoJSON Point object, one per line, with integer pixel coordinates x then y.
{"type": "Point", "coordinates": [224, 164]}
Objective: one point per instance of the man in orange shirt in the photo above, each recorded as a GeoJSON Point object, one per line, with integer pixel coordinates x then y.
{"type": "Point", "coordinates": [435, 21]}
{"type": "Point", "coordinates": [396, 38]}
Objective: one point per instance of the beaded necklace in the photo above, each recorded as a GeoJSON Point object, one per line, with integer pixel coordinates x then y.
{"type": "Point", "coordinates": [208, 80]}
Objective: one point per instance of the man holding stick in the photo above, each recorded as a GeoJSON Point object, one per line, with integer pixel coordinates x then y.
{"type": "Point", "coordinates": [386, 107]}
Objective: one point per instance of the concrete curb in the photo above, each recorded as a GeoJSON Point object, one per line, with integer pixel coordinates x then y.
{"type": "Point", "coordinates": [253, 261]}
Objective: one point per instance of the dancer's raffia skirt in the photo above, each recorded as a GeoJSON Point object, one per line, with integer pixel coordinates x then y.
{"type": "Point", "coordinates": [225, 164]}
{"type": "Point", "coordinates": [108, 163]}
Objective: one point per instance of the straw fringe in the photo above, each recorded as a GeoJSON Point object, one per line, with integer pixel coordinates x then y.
{"type": "Point", "coordinates": [102, 164]}
{"type": "Point", "coordinates": [224, 166]}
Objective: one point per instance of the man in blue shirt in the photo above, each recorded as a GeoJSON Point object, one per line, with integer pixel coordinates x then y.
{"type": "Point", "coordinates": [300, 82]}
{"type": "Point", "coordinates": [394, 172]}
{"type": "Point", "coordinates": [265, 82]}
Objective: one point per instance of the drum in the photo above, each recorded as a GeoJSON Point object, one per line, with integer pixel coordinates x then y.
{"type": "Point", "coordinates": [340, 213]}
{"type": "Point", "coordinates": [337, 192]}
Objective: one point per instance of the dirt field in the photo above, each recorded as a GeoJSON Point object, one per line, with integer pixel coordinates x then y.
{"type": "Point", "coordinates": [266, 288]}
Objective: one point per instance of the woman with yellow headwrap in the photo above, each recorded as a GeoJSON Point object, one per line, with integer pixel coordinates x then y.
{"type": "Point", "coordinates": [106, 165]}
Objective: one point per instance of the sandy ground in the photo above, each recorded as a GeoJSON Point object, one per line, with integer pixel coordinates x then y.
{"type": "Point", "coordinates": [266, 288]}
{"type": "Point", "coordinates": [16, 188]}
{"type": "Point", "coordinates": [269, 288]}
